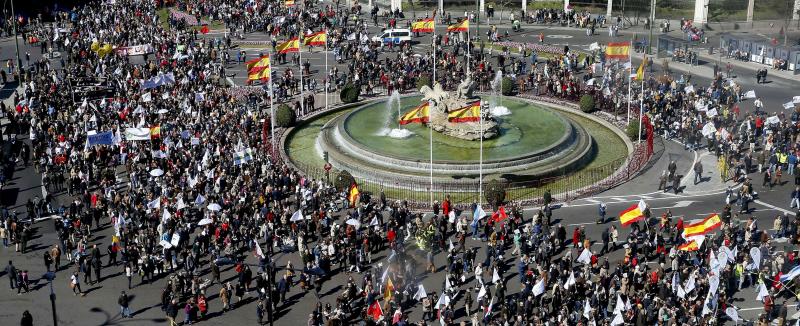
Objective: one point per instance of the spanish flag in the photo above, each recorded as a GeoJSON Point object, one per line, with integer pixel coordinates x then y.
{"type": "Point", "coordinates": [633, 214]}
{"type": "Point", "coordinates": [618, 50]}
{"type": "Point", "coordinates": [352, 194]}
{"type": "Point", "coordinates": [292, 45]}
{"type": "Point", "coordinates": [422, 114]}
{"type": "Point", "coordinates": [318, 39]}
{"type": "Point", "coordinates": [640, 71]}
{"type": "Point", "coordinates": [387, 294]}
{"type": "Point", "coordinates": [155, 132]}
{"type": "Point", "coordinates": [289, 3]}
{"type": "Point", "coordinates": [462, 26]}
{"type": "Point", "coordinates": [499, 215]}
{"type": "Point", "coordinates": [469, 113]}
{"type": "Point", "coordinates": [703, 227]}
{"type": "Point", "coordinates": [423, 26]}
{"type": "Point", "coordinates": [259, 69]}
{"type": "Point", "coordinates": [689, 246]}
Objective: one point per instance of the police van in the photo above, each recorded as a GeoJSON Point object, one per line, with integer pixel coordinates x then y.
{"type": "Point", "coordinates": [394, 36]}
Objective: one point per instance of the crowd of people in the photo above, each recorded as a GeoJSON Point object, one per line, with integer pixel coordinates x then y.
{"type": "Point", "coordinates": [182, 170]}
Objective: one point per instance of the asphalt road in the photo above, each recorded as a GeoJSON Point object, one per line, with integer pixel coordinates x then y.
{"type": "Point", "coordinates": [99, 306]}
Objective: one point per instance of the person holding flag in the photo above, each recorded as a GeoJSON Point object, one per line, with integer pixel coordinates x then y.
{"type": "Point", "coordinates": [353, 195]}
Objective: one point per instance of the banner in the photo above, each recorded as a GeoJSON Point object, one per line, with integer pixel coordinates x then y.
{"type": "Point", "coordinates": [103, 138]}
{"type": "Point", "coordinates": [134, 50]}
{"type": "Point", "coordinates": [162, 79]}
{"type": "Point", "coordinates": [137, 133]}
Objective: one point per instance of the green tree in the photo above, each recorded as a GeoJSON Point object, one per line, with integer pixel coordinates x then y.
{"type": "Point", "coordinates": [587, 103]}
{"type": "Point", "coordinates": [633, 130]}
{"type": "Point", "coordinates": [495, 193]}
{"type": "Point", "coordinates": [284, 116]}
{"type": "Point", "coordinates": [350, 93]}
{"type": "Point", "coordinates": [507, 86]}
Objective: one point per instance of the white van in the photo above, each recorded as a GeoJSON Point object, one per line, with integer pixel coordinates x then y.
{"type": "Point", "coordinates": [394, 36]}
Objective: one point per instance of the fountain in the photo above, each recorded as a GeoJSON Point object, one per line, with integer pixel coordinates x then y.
{"type": "Point", "coordinates": [387, 131]}
{"type": "Point", "coordinates": [496, 107]}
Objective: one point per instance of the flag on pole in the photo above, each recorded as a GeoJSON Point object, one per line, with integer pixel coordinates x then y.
{"type": "Point", "coordinates": [259, 253]}
{"type": "Point", "coordinates": [352, 194]}
{"type": "Point", "coordinates": [478, 214]}
{"type": "Point", "coordinates": [790, 275]}
{"type": "Point", "coordinates": [703, 227]}
{"type": "Point", "coordinates": [444, 300]}
{"type": "Point", "coordinates": [499, 215]}
{"type": "Point", "coordinates": [461, 26]}
{"type": "Point", "coordinates": [681, 292]}
{"type": "Point", "coordinates": [297, 216]}
{"type": "Point", "coordinates": [618, 320]}
{"type": "Point", "coordinates": [750, 94]}
{"type": "Point", "coordinates": [618, 50]}
{"type": "Point", "coordinates": [496, 276]}
{"type": "Point", "coordinates": [290, 46]}
{"type": "Point", "coordinates": [375, 310]}
{"type": "Point", "coordinates": [489, 309]}
{"type": "Point", "coordinates": [423, 26]}
{"type": "Point", "coordinates": [289, 3]}
{"type": "Point", "coordinates": [538, 289]}
{"type": "Point", "coordinates": [585, 257]}
{"type": "Point", "coordinates": [762, 292]}
{"type": "Point", "coordinates": [633, 214]}
{"type": "Point", "coordinates": [316, 39]}
{"type": "Point", "coordinates": [640, 71]}
{"type": "Point", "coordinates": [420, 293]}
{"type": "Point", "coordinates": [421, 113]}
{"type": "Point", "coordinates": [731, 312]}
{"type": "Point", "coordinates": [693, 245]}
{"type": "Point", "coordinates": [587, 309]}
{"type": "Point", "coordinates": [619, 306]}
{"type": "Point", "coordinates": [570, 281]}
{"type": "Point", "coordinates": [259, 69]}
{"type": "Point", "coordinates": [469, 113]}
{"type": "Point", "coordinates": [389, 291]}
{"type": "Point", "coordinates": [482, 292]}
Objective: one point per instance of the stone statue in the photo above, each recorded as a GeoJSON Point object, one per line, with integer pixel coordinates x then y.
{"type": "Point", "coordinates": [444, 103]}
{"type": "Point", "coordinates": [465, 89]}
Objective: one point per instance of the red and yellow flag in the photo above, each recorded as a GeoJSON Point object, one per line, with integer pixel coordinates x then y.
{"type": "Point", "coordinates": [640, 71]}
{"type": "Point", "coordinates": [387, 294]}
{"type": "Point", "coordinates": [461, 26]}
{"type": "Point", "coordinates": [423, 26]}
{"type": "Point", "coordinates": [633, 214]}
{"type": "Point", "coordinates": [259, 69]}
{"type": "Point", "coordinates": [618, 50]}
{"type": "Point", "coordinates": [317, 39]}
{"type": "Point", "coordinates": [290, 46]}
{"type": "Point", "coordinates": [469, 113]}
{"type": "Point", "coordinates": [352, 194]}
{"type": "Point", "coordinates": [289, 3]}
{"type": "Point", "coordinates": [690, 246]}
{"type": "Point", "coordinates": [155, 132]}
{"type": "Point", "coordinates": [421, 114]}
{"type": "Point", "coordinates": [703, 227]}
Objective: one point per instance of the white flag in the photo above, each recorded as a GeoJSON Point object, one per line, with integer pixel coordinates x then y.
{"type": "Point", "coordinates": [297, 216]}
{"type": "Point", "coordinates": [619, 306]}
{"type": "Point", "coordinates": [496, 277]}
{"type": "Point", "coordinates": [675, 283]}
{"type": "Point", "coordinates": [585, 257]}
{"type": "Point", "coordinates": [447, 285]}
{"type": "Point", "coordinates": [731, 312]}
{"type": "Point", "coordinates": [538, 289]}
{"type": "Point", "coordinates": [258, 252]}
{"type": "Point", "coordinates": [420, 293]}
{"type": "Point", "coordinates": [762, 292]}
{"type": "Point", "coordinates": [750, 94]}
{"type": "Point", "coordinates": [443, 301]}
{"type": "Point", "coordinates": [681, 292]}
{"type": "Point", "coordinates": [755, 254]}
{"type": "Point", "coordinates": [181, 205]}
{"type": "Point", "coordinates": [788, 106]}
{"type": "Point", "coordinates": [587, 309]}
{"type": "Point", "coordinates": [570, 281]}
{"type": "Point", "coordinates": [147, 97]}
{"type": "Point", "coordinates": [690, 284]}
{"type": "Point", "coordinates": [796, 99]}
{"type": "Point", "coordinates": [617, 319]}
{"type": "Point", "coordinates": [166, 216]}
{"type": "Point", "coordinates": [482, 292]}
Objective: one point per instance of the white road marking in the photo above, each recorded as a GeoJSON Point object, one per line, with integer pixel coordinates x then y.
{"type": "Point", "coordinates": [774, 207]}
{"type": "Point", "coordinates": [679, 204]}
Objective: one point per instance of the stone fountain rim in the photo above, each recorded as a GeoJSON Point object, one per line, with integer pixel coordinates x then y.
{"type": "Point", "coordinates": [569, 126]}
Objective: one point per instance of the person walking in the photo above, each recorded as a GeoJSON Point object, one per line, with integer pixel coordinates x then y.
{"type": "Point", "coordinates": [75, 284]}
{"type": "Point", "coordinates": [129, 274]}
{"type": "Point", "coordinates": [698, 172]}
{"type": "Point", "coordinates": [27, 319]}
{"type": "Point", "coordinates": [55, 254]}
{"type": "Point", "coordinates": [11, 271]}
{"type": "Point", "coordinates": [224, 297]}
{"type": "Point", "coordinates": [124, 307]}
{"type": "Point", "coordinates": [795, 198]}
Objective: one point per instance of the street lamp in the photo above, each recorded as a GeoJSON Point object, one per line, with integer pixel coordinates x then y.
{"type": "Point", "coordinates": [16, 42]}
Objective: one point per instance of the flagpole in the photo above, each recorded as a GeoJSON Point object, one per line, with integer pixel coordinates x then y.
{"type": "Point", "coordinates": [630, 80]}
{"type": "Point", "coordinates": [300, 52]}
{"type": "Point", "coordinates": [480, 160]}
{"type": "Point", "coordinates": [641, 102]}
{"type": "Point", "coordinates": [326, 70]}
{"type": "Point", "coordinates": [430, 137]}
{"type": "Point", "coordinates": [468, 55]}
{"type": "Point", "coordinates": [271, 104]}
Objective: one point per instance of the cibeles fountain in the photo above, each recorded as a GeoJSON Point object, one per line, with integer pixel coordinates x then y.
{"type": "Point", "coordinates": [521, 140]}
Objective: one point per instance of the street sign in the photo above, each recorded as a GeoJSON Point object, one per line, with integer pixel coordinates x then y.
{"type": "Point", "coordinates": [328, 167]}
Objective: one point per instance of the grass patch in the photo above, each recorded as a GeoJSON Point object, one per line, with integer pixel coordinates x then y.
{"type": "Point", "coordinates": [163, 17]}
{"type": "Point", "coordinates": [539, 55]}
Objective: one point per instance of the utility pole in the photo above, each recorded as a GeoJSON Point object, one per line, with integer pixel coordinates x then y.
{"type": "Point", "coordinates": [16, 42]}
{"type": "Point", "coordinates": [652, 21]}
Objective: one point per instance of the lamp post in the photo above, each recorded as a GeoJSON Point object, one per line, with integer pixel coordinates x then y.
{"type": "Point", "coordinates": [16, 42]}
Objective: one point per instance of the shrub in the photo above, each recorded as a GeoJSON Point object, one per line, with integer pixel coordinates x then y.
{"type": "Point", "coordinates": [587, 103]}
{"type": "Point", "coordinates": [495, 193]}
{"type": "Point", "coordinates": [424, 80]}
{"type": "Point", "coordinates": [284, 116]}
{"type": "Point", "coordinates": [350, 93]}
{"type": "Point", "coordinates": [507, 86]}
{"type": "Point", "coordinates": [344, 180]}
{"type": "Point", "coordinates": [633, 130]}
